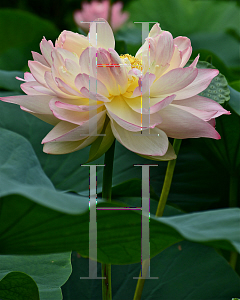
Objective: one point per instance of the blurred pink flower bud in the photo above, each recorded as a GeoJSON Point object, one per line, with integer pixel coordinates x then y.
{"type": "Point", "coordinates": [97, 9]}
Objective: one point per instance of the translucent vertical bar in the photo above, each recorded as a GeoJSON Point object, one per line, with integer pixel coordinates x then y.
{"type": "Point", "coordinates": [93, 223]}
{"type": "Point", "coordinates": [145, 240]}
{"type": "Point", "coordinates": [145, 98]}
{"type": "Point", "coordinates": [93, 79]}
{"type": "Point", "coordinates": [146, 103]}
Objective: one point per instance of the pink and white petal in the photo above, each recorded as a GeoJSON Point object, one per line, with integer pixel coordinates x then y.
{"type": "Point", "coordinates": [186, 54]}
{"type": "Point", "coordinates": [38, 104]}
{"type": "Point", "coordinates": [155, 31]}
{"type": "Point", "coordinates": [142, 50]}
{"type": "Point", "coordinates": [63, 131]}
{"type": "Point", "coordinates": [194, 63]}
{"type": "Point", "coordinates": [180, 124]}
{"type": "Point", "coordinates": [135, 103]}
{"type": "Point", "coordinates": [60, 70]}
{"type": "Point", "coordinates": [38, 71]}
{"type": "Point", "coordinates": [43, 90]}
{"type": "Point", "coordinates": [144, 85]}
{"type": "Point", "coordinates": [205, 104]}
{"type": "Point", "coordinates": [153, 34]}
{"type": "Point", "coordinates": [74, 117]}
{"type": "Point", "coordinates": [28, 88]}
{"type": "Point", "coordinates": [79, 108]}
{"type": "Point", "coordinates": [212, 122]}
{"type": "Point", "coordinates": [201, 82]}
{"type": "Point", "coordinates": [66, 132]}
{"type": "Point", "coordinates": [88, 57]}
{"type": "Point", "coordinates": [72, 42]}
{"type": "Point", "coordinates": [72, 67]}
{"type": "Point", "coordinates": [141, 144]}
{"type": "Point", "coordinates": [124, 124]}
{"type": "Point", "coordinates": [169, 155]}
{"type": "Point", "coordinates": [73, 101]}
{"type": "Point", "coordinates": [159, 70]}
{"type": "Point", "coordinates": [61, 84]}
{"type": "Point", "coordinates": [123, 114]}
{"type": "Point", "coordinates": [28, 77]}
{"type": "Point", "coordinates": [104, 73]}
{"type": "Point", "coordinates": [66, 76]}
{"type": "Point", "coordinates": [65, 54]}
{"type": "Point", "coordinates": [201, 114]}
{"type": "Point", "coordinates": [164, 48]}
{"type": "Point", "coordinates": [175, 61]}
{"type": "Point", "coordinates": [83, 80]}
{"type": "Point", "coordinates": [182, 42]}
{"type": "Point", "coordinates": [118, 70]}
{"type": "Point", "coordinates": [160, 50]}
{"type": "Point", "coordinates": [93, 96]}
{"type": "Point", "coordinates": [105, 37]}
{"type": "Point", "coordinates": [156, 104]}
{"type": "Point", "coordinates": [57, 58]}
{"type": "Point", "coordinates": [126, 117]}
{"type": "Point", "coordinates": [147, 55]}
{"type": "Point", "coordinates": [173, 81]}
{"type": "Point", "coordinates": [38, 57]}
{"type": "Point", "coordinates": [184, 45]}
{"type": "Point", "coordinates": [160, 103]}
{"type": "Point", "coordinates": [67, 147]}
{"type": "Point", "coordinates": [21, 79]}
{"type": "Point", "coordinates": [35, 88]}
{"type": "Point", "coordinates": [48, 118]}
{"type": "Point", "coordinates": [46, 49]}
{"type": "Point", "coordinates": [59, 91]}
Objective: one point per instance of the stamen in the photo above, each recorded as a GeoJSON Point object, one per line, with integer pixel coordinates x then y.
{"type": "Point", "coordinates": [135, 62]}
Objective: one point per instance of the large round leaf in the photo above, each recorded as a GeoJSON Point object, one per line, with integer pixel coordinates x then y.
{"type": "Point", "coordinates": [18, 285]}
{"type": "Point", "coordinates": [49, 272]}
{"type": "Point", "coordinates": [35, 218]}
{"type": "Point", "coordinates": [185, 270]}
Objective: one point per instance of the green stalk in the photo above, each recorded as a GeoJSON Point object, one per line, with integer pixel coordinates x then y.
{"type": "Point", "coordinates": [233, 259]}
{"type": "Point", "coordinates": [106, 194]}
{"type": "Point", "coordinates": [141, 281]}
{"type": "Point", "coordinates": [109, 13]}
{"type": "Point", "coordinates": [233, 202]}
{"type": "Point", "coordinates": [161, 206]}
{"type": "Point", "coordinates": [168, 180]}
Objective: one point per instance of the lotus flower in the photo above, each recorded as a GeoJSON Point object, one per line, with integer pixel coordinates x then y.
{"type": "Point", "coordinates": [96, 9]}
{"type": "Point", "coordinates": [58, 93]}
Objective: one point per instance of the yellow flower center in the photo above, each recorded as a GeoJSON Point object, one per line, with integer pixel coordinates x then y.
{"type": "Point", "coordinates": [135, 62]}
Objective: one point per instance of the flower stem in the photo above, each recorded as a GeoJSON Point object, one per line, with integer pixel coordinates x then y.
{"type": "Point", "coordinates": [233, 202]}
{"type": "Point", "coordinates": [140, 283]}
{"type": "Point", "coordinates": [161, 206]}
{"type": "Point", "coordinates": [106, 194]}
{"type": "Point", "coordinates": [107, 173]}
{"type": "Point", "coordinates": [109, 17]}
{"type": "Point", "coordinates": [168, 180]}
{"type": "Point", "coordinates": [233, 259]}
